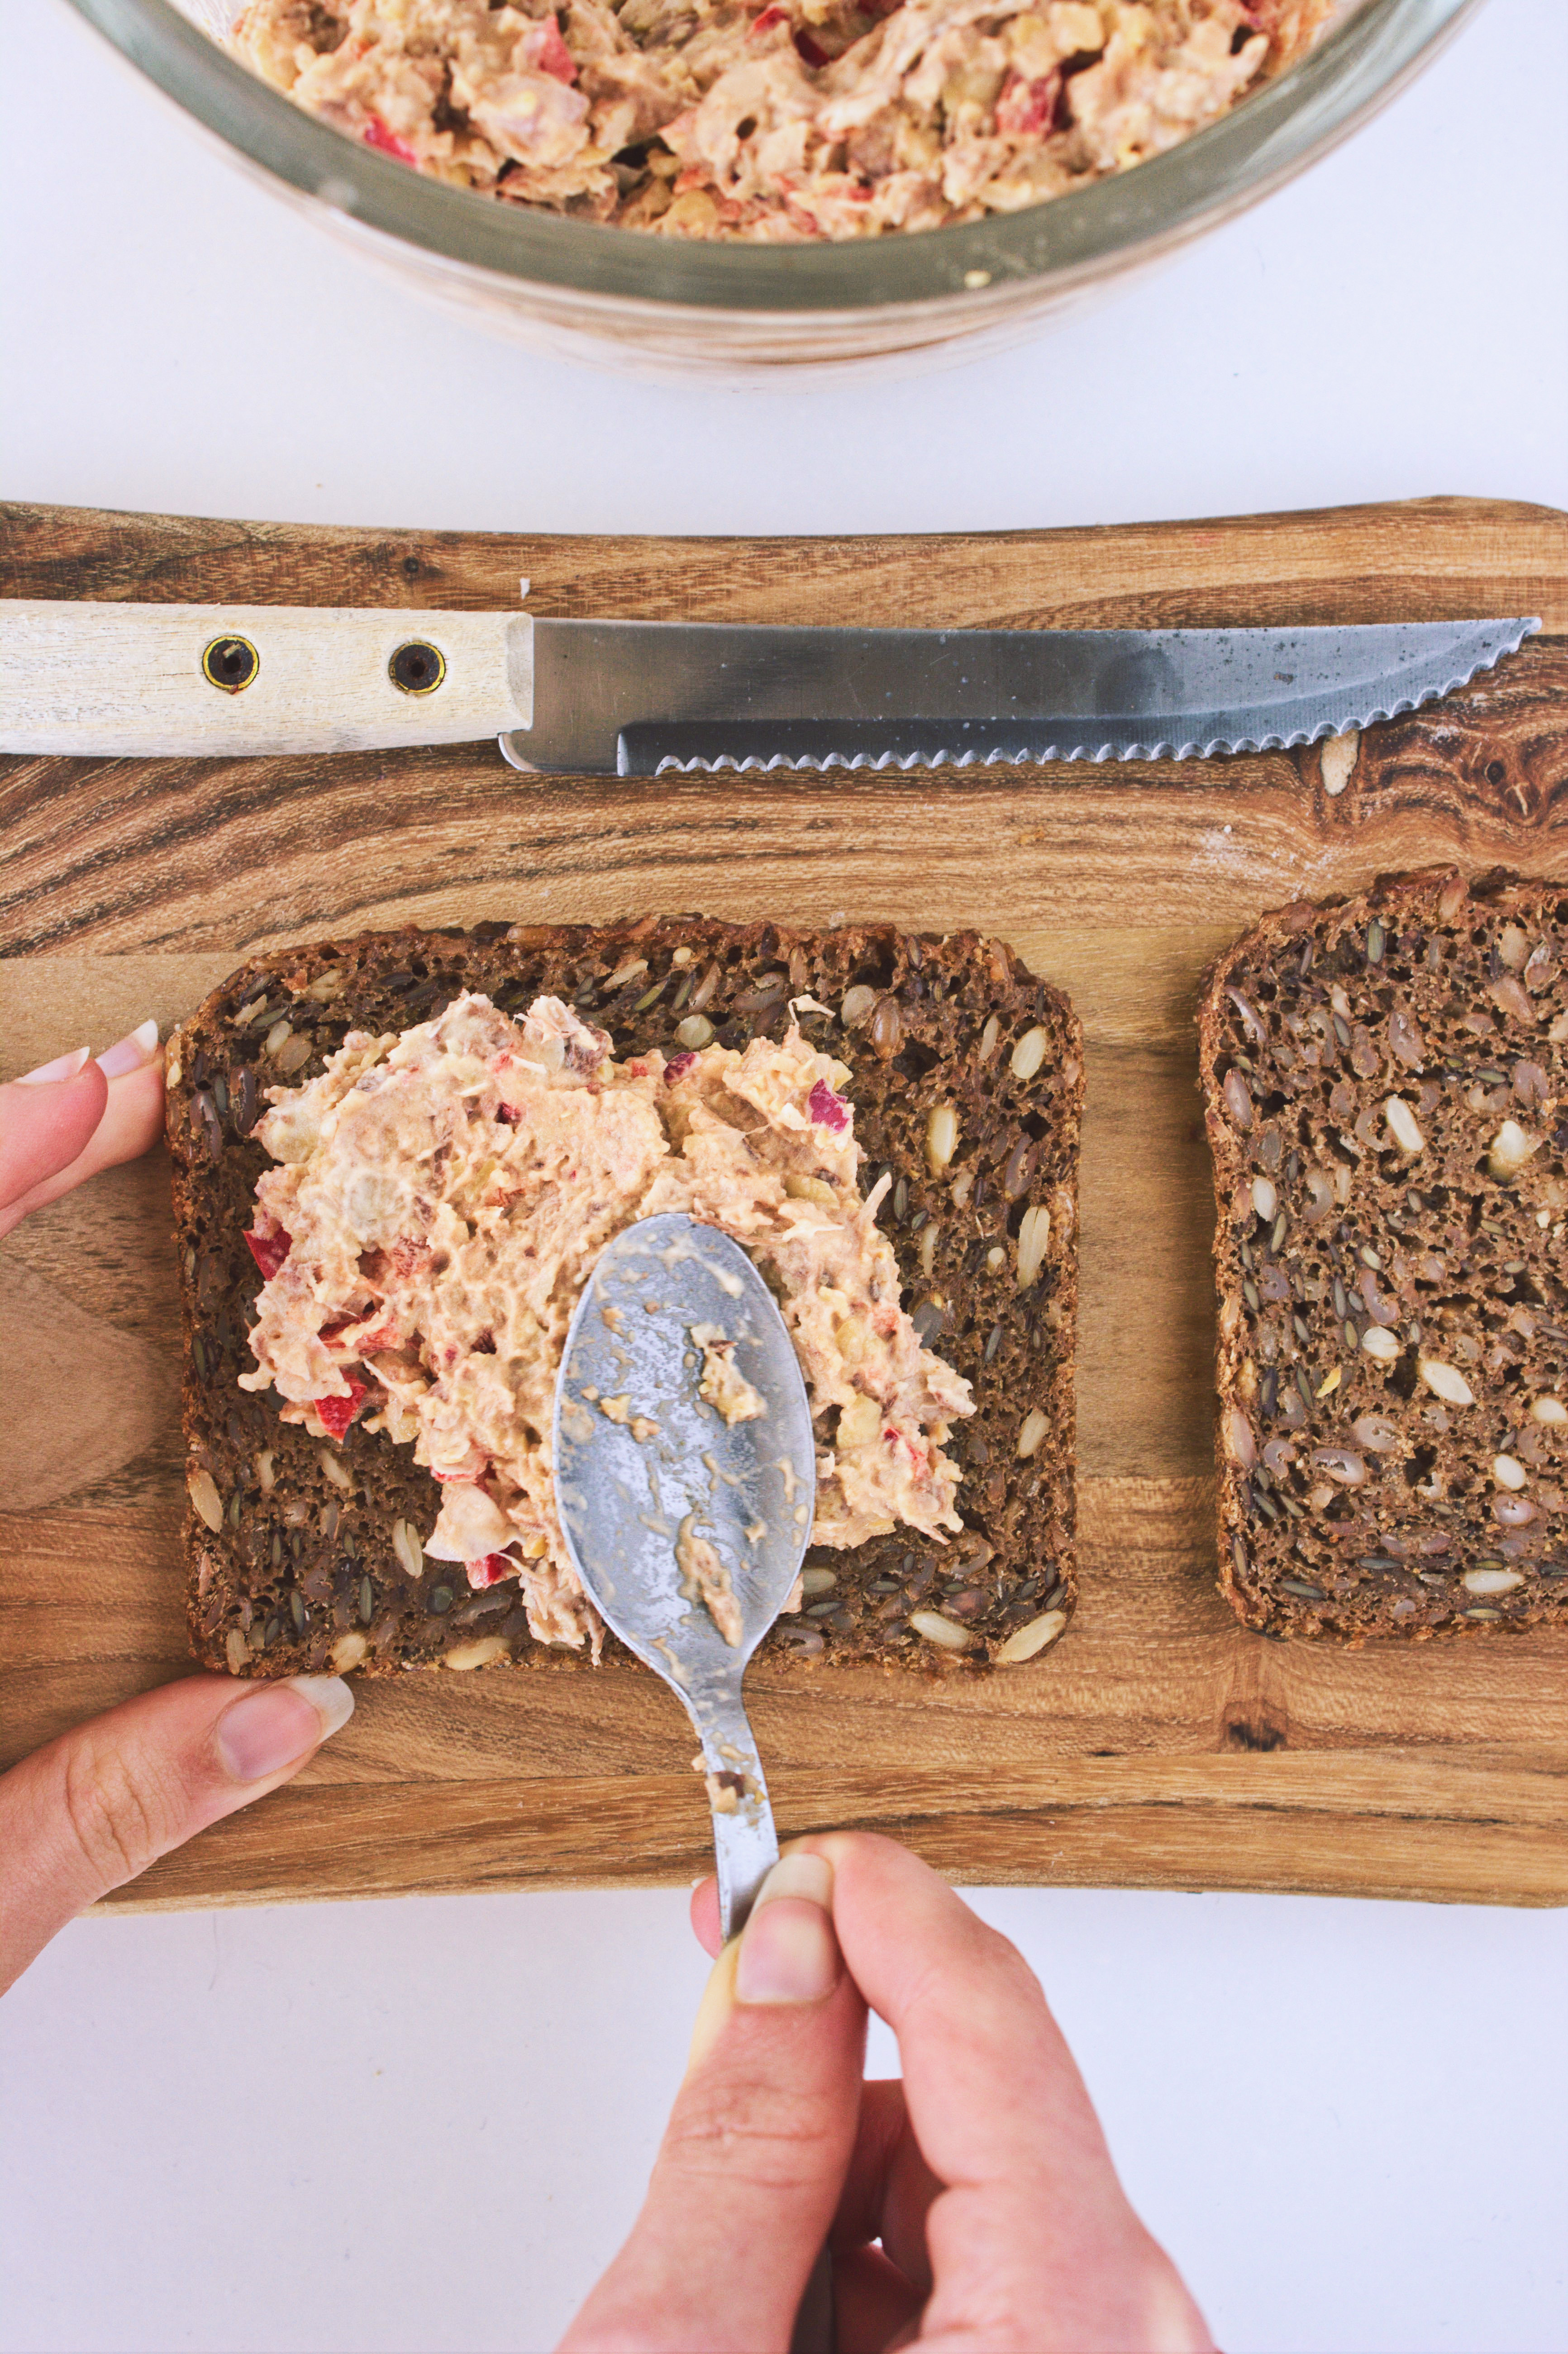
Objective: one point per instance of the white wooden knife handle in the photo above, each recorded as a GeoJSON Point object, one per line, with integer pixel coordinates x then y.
{"type": "Point", "coordinates": [220, 681]}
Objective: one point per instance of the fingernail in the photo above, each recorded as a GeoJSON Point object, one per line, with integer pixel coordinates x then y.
{"type": "Point", "coordinates": [788, 1950]}
{"type": "Point", "coordinates": [129, 1054]}
{"type": "Point", "coordinates": [64, 1067]}
{"type": "Point", "coordinates": [810, 1876]}
{"type": "Point", "coordinates": [278, 1722]}
{"type": "Point", "coordinates": [330, 1696]}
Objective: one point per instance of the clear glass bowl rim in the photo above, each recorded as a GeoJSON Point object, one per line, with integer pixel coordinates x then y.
{"type": "Point", "coordinates": [1271, 135]}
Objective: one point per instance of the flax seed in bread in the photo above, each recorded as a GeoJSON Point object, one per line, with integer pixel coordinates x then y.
{"type": "Point", "coordinates": [1386, 1088]}
{"type": "Point", "coordinates": [966, 1081]}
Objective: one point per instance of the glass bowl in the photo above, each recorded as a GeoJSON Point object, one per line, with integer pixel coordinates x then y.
{"type": "Point", "coordinates": [769, 313]}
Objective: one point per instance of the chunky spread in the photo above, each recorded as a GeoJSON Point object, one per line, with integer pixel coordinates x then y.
{"type": "Point", "coordinates": [705, 1579]}
{"type": "Point", "coordinates": [773, 120]}
{"type": "Point", "coordinates": [440, 1199]}
{"type": "Point", "coordinates": [722, 1384]}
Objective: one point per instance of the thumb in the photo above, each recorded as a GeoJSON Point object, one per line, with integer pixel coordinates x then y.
{"type": "Point", "coordinates": [95, 1808]}
{"type": "Point", "coordinates": [757, 2146]}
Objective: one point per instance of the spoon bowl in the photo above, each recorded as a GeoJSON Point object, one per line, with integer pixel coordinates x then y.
{"type": "Point", "coordinates": [685, 1477]}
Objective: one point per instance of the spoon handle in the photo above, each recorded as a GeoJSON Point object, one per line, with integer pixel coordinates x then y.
{"type": "Point", "coordinates": [747, 1852]}
{"type": "Point", "coordinates": [746, 1845]}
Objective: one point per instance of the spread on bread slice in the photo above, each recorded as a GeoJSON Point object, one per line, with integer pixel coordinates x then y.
{"type": "Point", "coordinates": [935, 1195]}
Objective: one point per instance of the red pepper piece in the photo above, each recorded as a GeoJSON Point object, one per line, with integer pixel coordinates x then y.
{"type": "Point", "coordinates": [829, 1110]}
{"type": "Point", "coordinates": [1025, 108]}
{"type": "Point", "coordinates": [546, 52]}
{"type": "Point", "coordinates": [489, 1569]}
{"type": "Point", "coordinates": [270, 1251]}
{"type": "Point", "coordinates": [380, 1336]}
{"type": "Point", "coordinates": [335, 1414]}
{"type": "Point", "coordinates": [386, 1336]}
{"type": "Point", "coordinates": [376, 134]}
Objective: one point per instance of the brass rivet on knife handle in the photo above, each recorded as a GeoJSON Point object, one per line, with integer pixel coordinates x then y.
{"type": "Point", "coordinates": [229, 663]}
{"type": "Point", "coordinates": [418, 668]}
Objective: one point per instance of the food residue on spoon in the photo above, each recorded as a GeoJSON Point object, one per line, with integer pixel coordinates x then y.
{"type": "Point", "coordinates": [723, 1385]}
{"type": "Point", "coordinates": [618, 1409]}
{"type": "Point", "coordinates": [705, 1579]}
{"type": "Point", "coordinates": [732, 1783]}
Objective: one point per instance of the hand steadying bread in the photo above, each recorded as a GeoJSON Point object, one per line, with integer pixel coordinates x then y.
{"type": "Point", "coordinates": [90, 1810]}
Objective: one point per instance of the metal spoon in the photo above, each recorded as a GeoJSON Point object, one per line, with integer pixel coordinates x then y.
{"type": "Point", "coordinates": [644, 1465]}
{"type": "Point", "coordinates": [641, 1456]}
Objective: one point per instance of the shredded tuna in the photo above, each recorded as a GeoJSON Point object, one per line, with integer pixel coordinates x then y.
{"type": "Point", "coordinates": [817, 119]}
{"type": "Point", "coordinates": [446, 1194]}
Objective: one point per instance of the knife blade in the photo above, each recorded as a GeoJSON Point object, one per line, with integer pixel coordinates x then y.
{"type": "Point", "coordinates": [644, 699]}
{"type": "Point", "coordinates": [637, 698]}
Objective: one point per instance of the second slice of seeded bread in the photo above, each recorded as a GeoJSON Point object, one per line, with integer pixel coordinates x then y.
{"type": "Point", "coordinates": [1387, 1087]}
{"type": "Point", "coordinates": [967, 1085]}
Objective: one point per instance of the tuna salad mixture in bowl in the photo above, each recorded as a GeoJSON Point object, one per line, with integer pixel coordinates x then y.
{"type": "Point", "coordinates": [773, 122]}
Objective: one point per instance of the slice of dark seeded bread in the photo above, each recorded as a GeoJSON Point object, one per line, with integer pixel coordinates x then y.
{"type": "Point", "coordinates": [1355, 1498]}
{"type": "Point", "coordinates": [305, 1573]}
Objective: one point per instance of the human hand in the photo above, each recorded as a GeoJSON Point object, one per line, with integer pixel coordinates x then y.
{"type": "Point", "coordinates": [972, 2205]}
{"type": "Point", "coordinates": [93, 1808]}
{"type": "Point", "coordinates": [73, 1117]}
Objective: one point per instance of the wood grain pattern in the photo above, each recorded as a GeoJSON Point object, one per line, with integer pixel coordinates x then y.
{"type": "Point", "coordinates": [1160, 1746]}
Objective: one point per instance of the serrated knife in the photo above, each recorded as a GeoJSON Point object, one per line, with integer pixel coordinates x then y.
{"type": "Point", "coordinates": [642, 698]}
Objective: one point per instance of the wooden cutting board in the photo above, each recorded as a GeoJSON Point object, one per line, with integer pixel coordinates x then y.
{"type": "Point", "coordinates": [1158, 1745]}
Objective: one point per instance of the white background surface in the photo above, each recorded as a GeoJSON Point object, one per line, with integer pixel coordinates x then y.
{"type": "Point", "coordinates": [425, 2124]}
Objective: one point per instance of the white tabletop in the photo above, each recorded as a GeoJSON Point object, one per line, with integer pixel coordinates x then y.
{"type": "Point", "coordinates": [425, 2125]}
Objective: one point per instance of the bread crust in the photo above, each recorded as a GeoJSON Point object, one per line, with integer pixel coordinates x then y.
{"type": "Point", "coordinates": [1442, 991]}
{"type": "Point", "coordinates": [304, 1574]}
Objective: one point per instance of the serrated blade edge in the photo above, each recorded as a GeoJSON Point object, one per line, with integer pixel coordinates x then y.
{"type": "Point", "coordinates": [1096, 741]}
